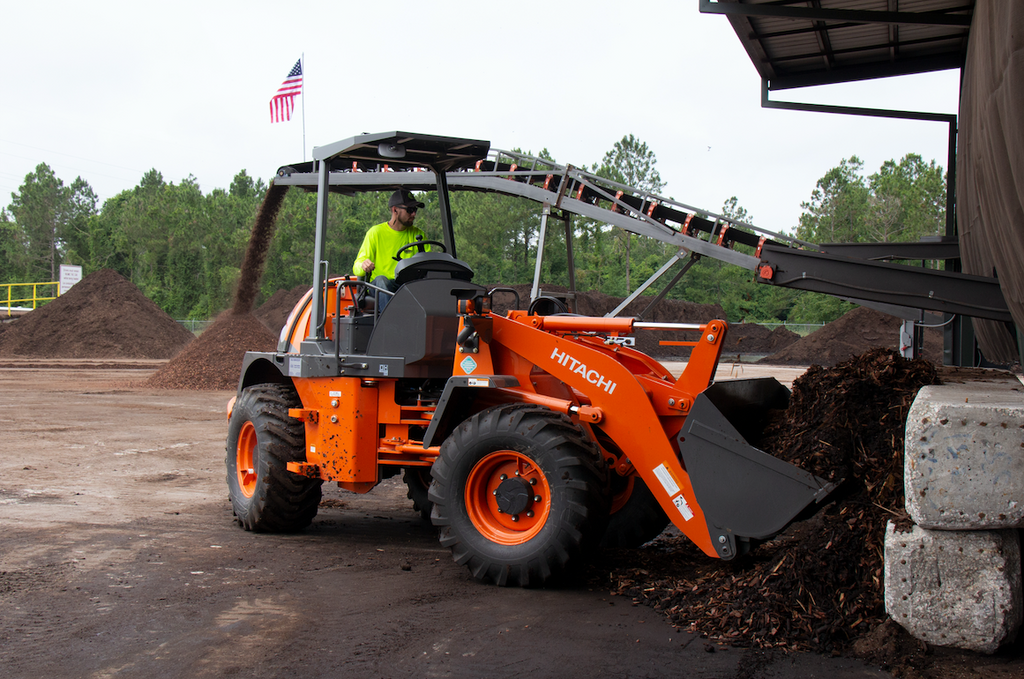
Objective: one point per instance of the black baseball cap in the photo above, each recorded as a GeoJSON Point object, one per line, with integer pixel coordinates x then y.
{"type": "Point", "coordinates": [403, 198]}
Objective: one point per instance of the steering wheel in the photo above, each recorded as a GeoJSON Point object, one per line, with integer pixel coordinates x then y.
{"type": "Point", "coordinates": [420, 244]}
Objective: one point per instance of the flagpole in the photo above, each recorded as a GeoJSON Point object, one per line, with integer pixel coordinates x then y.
{"type": "Point", "coordinates": [303, 107]}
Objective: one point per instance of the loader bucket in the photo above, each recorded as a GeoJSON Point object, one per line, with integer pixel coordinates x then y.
{"type": "Point", "coordinates": [746, 494]}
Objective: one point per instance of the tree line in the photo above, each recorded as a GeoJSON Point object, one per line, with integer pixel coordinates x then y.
{"type": "Point", "coordinates": [183, 248]}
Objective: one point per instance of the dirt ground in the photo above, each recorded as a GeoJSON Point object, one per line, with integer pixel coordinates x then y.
{"type": "Point", "coordinates": [120, 558]}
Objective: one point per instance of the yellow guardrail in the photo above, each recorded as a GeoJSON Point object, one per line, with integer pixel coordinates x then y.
{"type": "Point", "coordinates": [7, 293]}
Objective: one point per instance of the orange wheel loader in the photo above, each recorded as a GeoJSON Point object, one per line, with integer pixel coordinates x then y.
{"type": "Point", "coordinates": [529, 439]}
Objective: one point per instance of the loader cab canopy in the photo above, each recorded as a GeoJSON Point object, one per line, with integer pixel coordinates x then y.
{"type": "Point", "coordinates": [398, 150]}
{"type": "Point", "coordinates": [405, 149]}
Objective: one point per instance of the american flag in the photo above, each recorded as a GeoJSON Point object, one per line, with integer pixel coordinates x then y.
{"type": "Point", "coordinates": [283, 103]}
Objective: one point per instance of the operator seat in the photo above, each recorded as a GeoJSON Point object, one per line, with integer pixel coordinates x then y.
{"type": "Point", "coordinates": [421, 322]}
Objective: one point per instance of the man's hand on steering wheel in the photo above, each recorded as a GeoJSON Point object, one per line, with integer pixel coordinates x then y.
{"type": "Point", "coordinates": [420, 244]}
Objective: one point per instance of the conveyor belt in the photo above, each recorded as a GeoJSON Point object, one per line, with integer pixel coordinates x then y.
{"type": "Point", "coordinates": [572, 190]}
{"type": "Point", "coordinates": [775, 258]}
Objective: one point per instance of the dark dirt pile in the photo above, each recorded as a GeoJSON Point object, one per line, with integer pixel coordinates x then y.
{"type": "Point", "coordinates": [818, 586]}
{"type": "Point", "coordinates": [103, 316]}
{"type": "Point", "coordinates": [274, 312]}
{"type": "Point", "coordinates": [214, 359]}
{"type": "Point", "coordinates": [751, 338]}
{"type": "Point", "coordinates": [848, 336]}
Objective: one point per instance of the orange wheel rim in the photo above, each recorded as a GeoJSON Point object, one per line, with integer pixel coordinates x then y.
{"type": "Point", "coordinates": [507, 497]}
{"type": "Point", "coordinates": [245, 456]}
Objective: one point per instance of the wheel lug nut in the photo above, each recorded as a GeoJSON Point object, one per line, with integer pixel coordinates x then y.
{"type": "Point", "coordinates": [529, 514]}
{"type": "Point", "coordinates": [536, 498]}
{"type": "Point", "coordinates": [503, 477]}
{"type": "Point", "coordinates": [515, 517]}
{"type": "Point", "coordinates": [533, 482]}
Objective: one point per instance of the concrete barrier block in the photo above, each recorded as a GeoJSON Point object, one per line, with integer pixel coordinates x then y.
{"type": "Point", "coordinates": [955, 588]}
{"type": "Point", "coordinates": [964, 456]}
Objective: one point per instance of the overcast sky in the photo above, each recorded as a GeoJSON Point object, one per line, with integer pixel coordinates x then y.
{"type": "Point", "coordinates": [107, 90]}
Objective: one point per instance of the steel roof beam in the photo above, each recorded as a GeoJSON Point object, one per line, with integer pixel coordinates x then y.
{"type": "Point", "coordinates": [859, 16]}
{"type": "Point", "coordinates": [889, 45]}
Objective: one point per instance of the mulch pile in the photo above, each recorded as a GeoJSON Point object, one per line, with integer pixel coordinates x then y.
{"type": "Point", "coordinates": [103, 316]}
{"type": "Point", "coordinates": [274, 312]}
{"type": "Point", "coordinates": [818, 586]}
{"type": "Point", "coordinates": [848, 336]}
{"type": "Point", "coordinates": [214, 359]}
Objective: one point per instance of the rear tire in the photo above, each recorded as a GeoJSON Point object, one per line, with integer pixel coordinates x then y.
{"type": "Point", "coordinates": [520, 495]}
{"type": "Point", "coordinates": [262, 439]}
{"type": "Point", "coordinates": [418, 481]}
{"type": "Point", "coordinates": [636, 516]}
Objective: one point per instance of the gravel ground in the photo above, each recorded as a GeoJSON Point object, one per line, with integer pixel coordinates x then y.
{"type": "Point", "coordinates": [120, 558]}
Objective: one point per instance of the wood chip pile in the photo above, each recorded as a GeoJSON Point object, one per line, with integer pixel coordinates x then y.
{"type": "Point", "coordinates": [818, 586]}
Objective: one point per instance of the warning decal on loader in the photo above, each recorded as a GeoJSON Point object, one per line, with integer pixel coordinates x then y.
{"type": "Point", "coordinates": [667, 482]}
{"type": "Point", "coordinates": [684, 509]}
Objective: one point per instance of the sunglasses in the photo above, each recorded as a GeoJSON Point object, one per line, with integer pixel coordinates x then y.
{"type": "Point", "coordinates": [410, 209]}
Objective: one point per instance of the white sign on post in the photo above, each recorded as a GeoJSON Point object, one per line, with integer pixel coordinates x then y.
{"type": "Point", "coordinates": [69, 275]}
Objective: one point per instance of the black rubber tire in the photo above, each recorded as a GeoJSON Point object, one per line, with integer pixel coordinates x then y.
{"type": "Point", "coordinates": [281, 501]}
{"type": "Point", "coordinates": [417, 479]}
{"type": "Point", "coordinates": [638, 521]}
{"type": "Point", "coordinates": [573, 471]}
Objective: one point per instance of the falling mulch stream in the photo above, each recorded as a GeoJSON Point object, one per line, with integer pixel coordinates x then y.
{"type": "Point", "coordinates": [818, 586]}
{"type": "Point", "coordinates": [214, 360]}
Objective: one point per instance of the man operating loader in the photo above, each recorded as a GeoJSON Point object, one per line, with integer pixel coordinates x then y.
{"type": "Point", "coordinates": [377, 253]}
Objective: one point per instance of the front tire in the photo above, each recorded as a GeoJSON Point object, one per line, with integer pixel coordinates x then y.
{"type": "Point", "coordinates": [520, 495]}
{"type": "Point", "coordinates": [262, 439]}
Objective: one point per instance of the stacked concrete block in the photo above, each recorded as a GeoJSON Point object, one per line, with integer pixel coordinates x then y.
{"type": "Point", "coordinates": [964, 457]}
{"type": "Point", "coordinates": [954, 579]}
{"type": "Point", "coordinates": [954, 588]}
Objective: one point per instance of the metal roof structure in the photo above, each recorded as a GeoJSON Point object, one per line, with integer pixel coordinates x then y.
{"type": "Point", "coordinates": [800, 43]}
{"type": "Point", "coordinates": [803, 43]}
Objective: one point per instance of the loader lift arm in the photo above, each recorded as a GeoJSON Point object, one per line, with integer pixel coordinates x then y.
{"type": "Point", "coordinates": [677, 434]}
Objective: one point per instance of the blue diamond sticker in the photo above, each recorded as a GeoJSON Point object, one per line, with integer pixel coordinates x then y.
{"type": "Point", "coordinates": [468, 365]}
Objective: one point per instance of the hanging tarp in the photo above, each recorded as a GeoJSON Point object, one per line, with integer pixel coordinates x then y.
{"type": "Point", "coordinates": [990, 163]}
